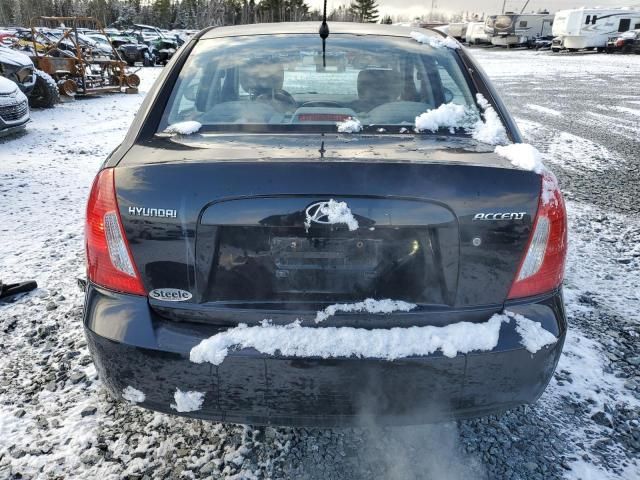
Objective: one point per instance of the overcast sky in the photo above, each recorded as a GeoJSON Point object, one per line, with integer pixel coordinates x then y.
{"type": "Point", "coordinates": [414, 8]}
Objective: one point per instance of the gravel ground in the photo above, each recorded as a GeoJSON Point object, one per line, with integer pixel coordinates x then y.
{"type": "Point", "coordinates": [56, 420]}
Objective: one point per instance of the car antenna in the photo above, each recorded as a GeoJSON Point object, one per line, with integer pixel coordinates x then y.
{"type": "Point", "coordinates": [324, 34]}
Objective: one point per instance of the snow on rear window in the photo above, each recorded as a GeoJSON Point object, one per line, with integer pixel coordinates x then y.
{"type": "Point", "coordinates": [188, 127]}
{"type": "Point", "coordinates": [351, 125]}
{"type": "Point", "coordinates": [491, 130]}
{"type": "Point", "coordinates": [448, 115]}
{"type": "Point", "coordinates": [435, 42]}
{"type": "Point", "coordinates": [452, 116]}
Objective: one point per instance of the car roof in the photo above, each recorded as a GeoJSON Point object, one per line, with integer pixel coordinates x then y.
{"type": "Point", "coordinates": [312, 28]}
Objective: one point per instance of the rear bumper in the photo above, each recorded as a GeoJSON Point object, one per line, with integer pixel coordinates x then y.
{"type": "Point", "coordinates": [132, 346]}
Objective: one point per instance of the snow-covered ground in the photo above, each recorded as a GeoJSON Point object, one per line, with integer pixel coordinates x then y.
{"type": "Point", "coordinates": [57, 421]}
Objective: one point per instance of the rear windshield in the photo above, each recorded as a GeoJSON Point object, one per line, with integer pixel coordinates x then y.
{"type": "Point", "coordinates": [284, 83]}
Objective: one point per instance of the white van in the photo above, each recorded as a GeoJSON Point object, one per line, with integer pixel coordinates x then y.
{"type": "Point", "coordinates": [476, 34]}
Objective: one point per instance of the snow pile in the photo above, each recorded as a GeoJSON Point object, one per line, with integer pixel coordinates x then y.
{"type": "Point", "coordinates": [527, 157]}
{"type": "Point", "coordinates": [184, 128]}
{"type": "Point", "coordinates": [435, 42]}
{"type": "Point", "coordinates": [132, 395]}
{"type": "Point", "coordinates": [549, 188]}
{"type": "Point", "coordinates": [533, 336]}
{"type": "Point", "coordinates": [447, 115]}
{"type": "Point", "coordinates": [350, 125]}
{"type": "Point", "coordinates": [522, 155]}
{"type": "Point", "coordinates": [452, 116]}
{"type": "Point", "coordinates": [187, 401]}
{"type": "Point", "coordinates": [293, 340]}
{"type": "Point", "coordinates": [491, 130]}
{"type": "Point", "coordinates": [335, 213]}
{"type": "Point", "coordinates": [369, 305]}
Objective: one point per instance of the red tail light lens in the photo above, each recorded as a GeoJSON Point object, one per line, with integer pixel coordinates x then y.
{"type": "Point", "coordinates": [109, 262]}
{"type": "Point", "coordinates": [542, 268]}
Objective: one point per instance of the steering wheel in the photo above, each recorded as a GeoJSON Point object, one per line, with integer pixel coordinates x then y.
{"type": "Point", "coordinates": [323, 103]}
{"type": "Point", "coordinates": [281, 96]}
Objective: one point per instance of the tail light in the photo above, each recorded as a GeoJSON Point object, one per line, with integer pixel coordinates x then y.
{"type": "Point", "coordinates": [619, 43]}
{"type": "Point", "coordinates": [542, 268]}
{"type": "Point", "coordinates": [109, 262]}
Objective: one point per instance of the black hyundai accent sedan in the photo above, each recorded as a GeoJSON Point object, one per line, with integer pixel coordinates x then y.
{"type": "Point", "coordinates": [286, 239]}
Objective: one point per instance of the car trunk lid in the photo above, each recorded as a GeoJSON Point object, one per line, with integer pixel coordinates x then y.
{"type": "Point", "coordinates": [445, 231]}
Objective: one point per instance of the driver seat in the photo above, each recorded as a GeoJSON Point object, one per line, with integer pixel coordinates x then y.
{"type": "Point", "coordinates": [376, 87]}
{"type": "Point", "coordinates": [263, 81]}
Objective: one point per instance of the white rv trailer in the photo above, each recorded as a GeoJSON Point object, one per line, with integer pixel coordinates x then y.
{"type": "Point", "coordinates": [476, 34]}
{"type": "Point", "coordinates": [511, 29]}
{"type": "Point", "coordinates": [591, 27]}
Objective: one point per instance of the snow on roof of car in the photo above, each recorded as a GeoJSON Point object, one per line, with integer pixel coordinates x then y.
{"type": "Point", "coordinates": [312, 28]}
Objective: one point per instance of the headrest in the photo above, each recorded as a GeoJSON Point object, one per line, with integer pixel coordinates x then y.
{"type": "Point", "coordinates": [381, 85]}
{"type": "Point", "coordinates": [261, 76]}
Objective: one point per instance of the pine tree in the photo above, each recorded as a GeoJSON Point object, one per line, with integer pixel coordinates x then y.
{"type": "Point", "coordinates": [386, 20]}
{"type": "Point", "coordinates": [365, 11]}
{"type": "Point", "coordinates": [282, 10]}
{"type": "Point", "coordinates": [162, 12]}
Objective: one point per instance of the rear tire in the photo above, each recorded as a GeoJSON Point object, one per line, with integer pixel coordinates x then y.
{"type": "Point", "coordinates": [45, 93]}
{"type": "Point", "coordinates": [146, 60]}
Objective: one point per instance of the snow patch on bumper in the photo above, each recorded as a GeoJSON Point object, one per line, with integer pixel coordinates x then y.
{"type": "Point", "coordinates": [294, 340]}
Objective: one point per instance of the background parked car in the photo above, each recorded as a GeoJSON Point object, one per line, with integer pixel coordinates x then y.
{"type": "Point", "coordinates": [163, 46]}
{"type": "Point", "coordinates": [14, 107]}
{"type": "Point", "coordinates": [542, 43]}
{"type": "Point", "coordinates": [7, 37]}
{"type": "Point", "coordinates": [627, 42]}
{"type": "Point", "coordinates": [475, 34]}
{"type": "Point", "coordinates": [132, 51]}
{"type": "Point", "coordinates": [35, 84]}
